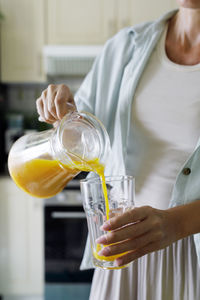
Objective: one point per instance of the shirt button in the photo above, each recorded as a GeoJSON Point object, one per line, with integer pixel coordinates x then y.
{"type": "Point", "coordinates": [186, 171]}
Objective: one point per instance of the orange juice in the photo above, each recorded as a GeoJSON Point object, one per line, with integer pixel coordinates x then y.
{"type": "Point", "coordinates": [99, 169]}
{"type": "Point", "coordinates": [45, 178]}
{"type": "Point", "coordinates": [41, 178]}
{"type": "Point", "coordinates": [106, 258]}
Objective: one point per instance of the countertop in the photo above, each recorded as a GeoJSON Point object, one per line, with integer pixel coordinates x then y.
{"type": "Point", "coordinates": [28, 297]}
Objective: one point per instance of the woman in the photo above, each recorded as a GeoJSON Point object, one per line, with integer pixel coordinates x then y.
{"type": "Point", "coordinates": [144, 88]}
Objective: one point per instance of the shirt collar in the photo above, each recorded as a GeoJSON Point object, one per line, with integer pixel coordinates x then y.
{"type": "Point", "coordinates": [155, 26]}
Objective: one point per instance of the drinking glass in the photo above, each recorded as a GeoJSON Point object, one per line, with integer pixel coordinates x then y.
{"type": "Point", "coordinates": [120, 192]}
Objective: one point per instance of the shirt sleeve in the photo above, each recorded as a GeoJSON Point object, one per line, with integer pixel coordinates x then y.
{"type": "Point", "coordinates": [86, 95]}
{"type": "Point", "coordinates": [104, 78]}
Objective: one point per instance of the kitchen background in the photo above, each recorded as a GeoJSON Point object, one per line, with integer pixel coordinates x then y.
{"type": "Point", "coordinates": [42, 42]}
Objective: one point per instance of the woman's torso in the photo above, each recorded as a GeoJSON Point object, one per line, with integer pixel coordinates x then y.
{"type": "Point", "coordinates": [165, 126]}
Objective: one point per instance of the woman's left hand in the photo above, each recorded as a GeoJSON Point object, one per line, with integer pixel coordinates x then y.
{"type": "Point", "coordinates": [139, 231]}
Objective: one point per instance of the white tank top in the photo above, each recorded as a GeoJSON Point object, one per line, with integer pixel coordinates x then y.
{"type": "Point", "coordinates": [165, 126]}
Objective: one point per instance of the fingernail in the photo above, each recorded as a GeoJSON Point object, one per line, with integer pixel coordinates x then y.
{"type": "Point", "coordinates": [118, 262]}
{"type": "Point", "coordinates": [105, 226]}
{"type": "Point", "coordinates": [101, 240]}
{"type": "Point", "coordinates": [104, 252]}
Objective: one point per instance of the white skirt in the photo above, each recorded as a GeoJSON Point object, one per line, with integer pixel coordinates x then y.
{"type": "Point", "coordinates": [172, 273]}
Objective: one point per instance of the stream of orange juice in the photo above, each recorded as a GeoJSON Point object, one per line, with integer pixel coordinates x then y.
{"type": "Point", "coordinates": [45, 178]}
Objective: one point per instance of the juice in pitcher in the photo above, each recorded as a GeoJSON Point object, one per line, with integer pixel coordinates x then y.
{"type": "Point", "coordinates": [43, 163]}
{"type": "Point", "coordinates": [41, 177]}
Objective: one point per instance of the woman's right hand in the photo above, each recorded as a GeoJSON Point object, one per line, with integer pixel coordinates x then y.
{"type": "Point", "coordinates": [54, 103]}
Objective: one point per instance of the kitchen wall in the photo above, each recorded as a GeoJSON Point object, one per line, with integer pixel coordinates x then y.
{"type": "Point", "coordinates": [18, 110]}
{"type": "Point", "coordinates": [17, 114]}
{"type": "Point", "coordinates": [22, 97]}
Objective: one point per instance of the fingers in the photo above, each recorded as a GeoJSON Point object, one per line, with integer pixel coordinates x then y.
{"type": "Point", "coordinates": [44, 114]}
{"type": "Point", "coordinates": [134, 215]}
{"type": "Point", "coordinates": [54, 103]}
{"type": "Point", "coordinates": [131, 231]}
{"type": "Point", "coordinates": [40, 109]}
{"type": "Point", "coordinates": [61, 105]}
{"type": "Point", "coordinates": [132, 255]}
{"type": "Point", "coordinates": [133, 249]}
{"type": "Point", "coordinates": [51, 94]}
{"type": "Point", "coordinates": [142, 231]}
{"type": "Point", "coordinates": [47, 113]}
{"type": "Point", "coordinates": [128, 245]}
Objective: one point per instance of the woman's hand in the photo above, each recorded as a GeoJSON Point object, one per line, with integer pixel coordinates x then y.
{"type": "Point", "coordinates": [54, 103]}
{"type": "Point", "coordinates": [140, 231]}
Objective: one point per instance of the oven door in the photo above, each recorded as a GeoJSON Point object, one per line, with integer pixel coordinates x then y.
{"type": "Point", "coordinates": [65, 238]}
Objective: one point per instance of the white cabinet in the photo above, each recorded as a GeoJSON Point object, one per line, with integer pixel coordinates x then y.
{"type": "Point", "coordinates": [94, 21]}
{"type": "Point", "coordinates": [22, 39]}
{"type": "Point", "coordinates": [142, 10]}
{"type": "Point", "coordinates": [21, 241]}
{"type": "Point", "coordinates": [29, 24]}
{"type": "Point", "coordinates": [80, 22]}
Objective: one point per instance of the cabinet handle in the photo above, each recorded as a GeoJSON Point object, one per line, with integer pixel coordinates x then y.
{"type": "Point", "coordinates": [68, 215]}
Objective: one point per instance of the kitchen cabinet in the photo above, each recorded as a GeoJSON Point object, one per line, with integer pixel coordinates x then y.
{"type": "Point", "coordinates": [94, 21]}
{"type": "Point", "coordinates": [22, 40]}
{"type": "Point", "coordinates": [80, 22]}
{"type": "Point", "coordinates": [138, 11]}
{"type": "Point", "coordinates": [30, 24]}
{"type": "Point", "coordinates": [21, 242]}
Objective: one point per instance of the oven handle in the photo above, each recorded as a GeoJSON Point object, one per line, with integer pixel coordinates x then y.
{"type": "Point", "coordinates": [68, 215]}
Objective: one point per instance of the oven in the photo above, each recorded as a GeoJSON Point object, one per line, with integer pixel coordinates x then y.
{"type": "Point", "coordinates": [65, 234]}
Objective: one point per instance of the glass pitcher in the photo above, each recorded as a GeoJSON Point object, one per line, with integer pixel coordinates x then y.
{"type": "Point", "coordinates": [42, 163]}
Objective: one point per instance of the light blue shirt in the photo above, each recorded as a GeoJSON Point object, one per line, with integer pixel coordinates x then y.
{"type": "Point", "coordinates": [108, 92]}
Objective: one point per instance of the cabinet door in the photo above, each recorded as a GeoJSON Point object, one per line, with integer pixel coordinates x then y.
{"type": "Point", "coordinates": [22, 39]}
{"type": "Point", "coordinates": [138, 11]}
{"type": "Point", "coordinates": [80, 22]}
{"type": "Point", "coordinates": [21, 242]}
